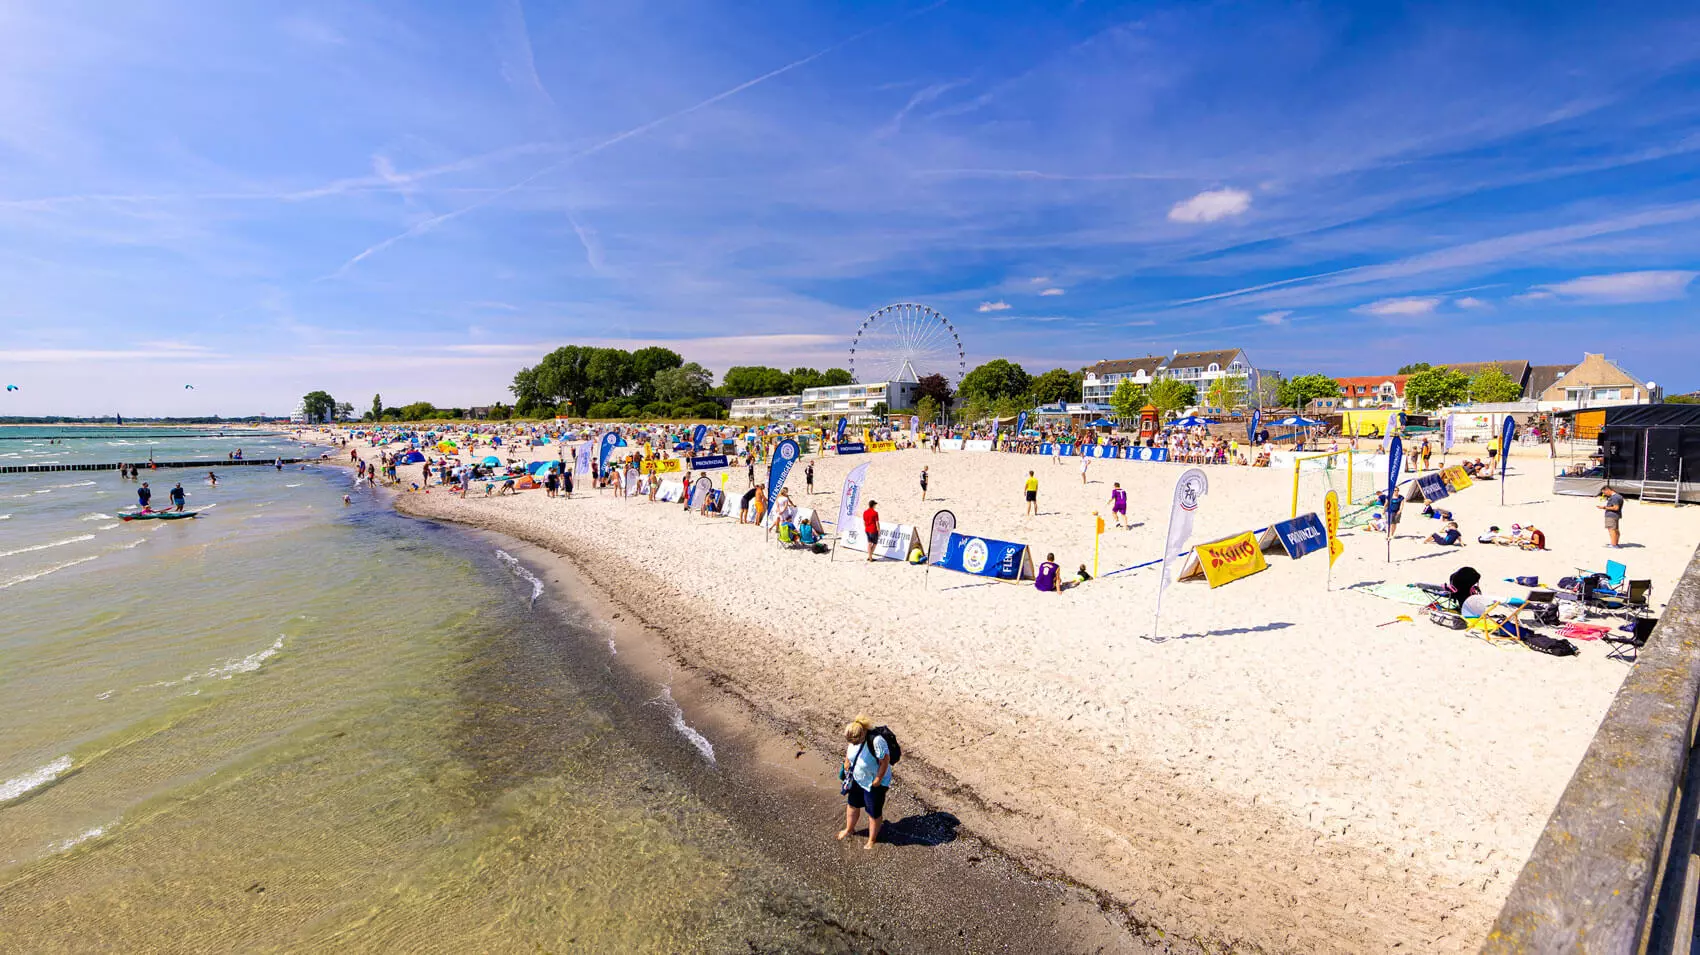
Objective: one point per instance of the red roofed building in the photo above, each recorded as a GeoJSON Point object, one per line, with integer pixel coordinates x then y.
{"type": "Point", "coordinates": [1373, 391]}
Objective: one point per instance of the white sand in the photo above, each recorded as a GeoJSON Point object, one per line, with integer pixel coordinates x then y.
{"type": "Point", "coordinates": [1289, 776]}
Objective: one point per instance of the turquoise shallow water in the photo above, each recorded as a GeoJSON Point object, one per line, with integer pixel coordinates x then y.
{"type": "Point", "coordinates": [292, 724]}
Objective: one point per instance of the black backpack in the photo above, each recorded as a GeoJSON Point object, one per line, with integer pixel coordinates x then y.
{"type": "Point", "coordinates": [896, 748]}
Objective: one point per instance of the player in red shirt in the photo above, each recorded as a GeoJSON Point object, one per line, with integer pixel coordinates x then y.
{"type": "Point", "coordinates": [871, 527]}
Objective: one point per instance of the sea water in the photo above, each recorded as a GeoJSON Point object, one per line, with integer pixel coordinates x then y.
{"type": "Point", "coordinates": [295, 724]}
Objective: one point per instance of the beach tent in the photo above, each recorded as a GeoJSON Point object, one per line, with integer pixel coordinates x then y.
{"type": "Point", "coordinates": [541, 467]}
{"type": "Point", "coordinates": [412, 457]}
{"type": "Point", "coordinates": [491, 461]}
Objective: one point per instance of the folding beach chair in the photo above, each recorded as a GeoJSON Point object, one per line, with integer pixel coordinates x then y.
{"type": "Point", "coordinates": [1495, 621]}
{"type": "Point", "coordinates": [1626, 641]}
{"type": "Point", "coordinates": [1609, 580]}
{"type": "Point", "coordinates": [1632, 601]}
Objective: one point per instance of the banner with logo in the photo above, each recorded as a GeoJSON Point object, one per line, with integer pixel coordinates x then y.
{"type": "Point", "coordinates": [784, 456]}
{"type": "Point", "coordinates": [1060, 450]}
{"type": "Point", "coordinates": [849, 500]}
{"type": "Point", "coordinates": [944, 524]}
{"type": "Point", "coordinates": [879, 447]}
{"type": "Point", "coordinates": [1450, 433]}
{"type": "Point", "coordinates": [1507, 434]}
{"type": "Point", "coordinates": [1190, 490]}
{"type": "Point", "coordinates": [1331, 524]}
{"type": "Point", "coordinates": [1456, 477]}
{"type": "Point", "coordinates": [1395, 464]}
{"type": "Point", "coordinates": [582, 460]}
{"type": "Point", "coordinates": [1252, 424]}
{"type": "Point", "coordinates": [1433, 487]}
{"type": "Point", "coordinates": [842, 424]}
{"type": "Point", "coordinates": [1145, 454]}
{"type": "Point", "coordinates": [1226, 560]}
{"type": "Point", "coordinates": [852, 447]}
{"type": "Point", "coordinates": [977, 445]}
{"type": "Point", "coordinates": [894, 543]}
{"type": "Point", "coordinates": [700, 489]}
{"type": "Point", "coordinates": [1021, 422]}
{"type": "Point", "coordinates": [984, 557]}
{"type": "Point", "coordinates": [697, 435]}
{"type": "Point", "coordinates": [1300, 536]}
{"type": "Point", "coordinates": [708, 462]}
{"type": "Point", "coordinates": [662, 466]}
{"type": "Point", "coordinates": [915, 423]}
{"type": "Point", "coordinates": [606, 445]}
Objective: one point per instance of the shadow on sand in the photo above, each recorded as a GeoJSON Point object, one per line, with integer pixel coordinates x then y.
{"type": "Point", "coordinates": [928, 829]}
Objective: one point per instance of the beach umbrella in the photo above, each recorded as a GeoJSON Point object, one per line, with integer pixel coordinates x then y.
{"type": "Point", "coordinates": [1101, 423]}
{"type": "Point", "coordinates": [1190, 421]}
{"type": "Point", "coordinates": [1294, 421]}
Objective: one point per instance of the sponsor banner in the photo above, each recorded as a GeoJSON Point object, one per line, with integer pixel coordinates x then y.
{"type": "Point", "coordinates": [1190, 490]}
{"type": "Point", "coordinates": [606, 445]}
{"type": "Point", "coordinates": [662, 466]}
{"type": "Point", "coordinates": [1252, 424]}
{"type": "Point", "coordinates": [1395, 462]}
{"type": "Point", "coordinates": [1145, 454]}
{"type": "Point", "coordinates": [895, 540]}
{"type": "Point", "coordinates": [708, 462]}
{"type": "Point", "coordinates": [1021, 422]}
{"type": "Point", "coordinates": [880, 447]}
{"type": "Point", "coordinates": [700, 489]}
{"type": "Point", "coordinates": [944, 524]}
{"type": "Point", "coordinates": [977, 445]}
{"type": "Point", "coordinates": [1061, 450]}
{"type": "Point", "coordinates": [1227, 560]}
{"type": "Point", "coordinates": [1456, 477]}
{"type": "Point", "coordinates": [582, 460]}
{"type": "Point", "coordinates": [842, 424]}
{"type": "Point", "coordinates": [1507, 433]}
{"type": "Point", "coordinates": [852, 447]}
{"type": "Point", "coordinates": [1450, 433]}
{"type": "Point", "coordinates": [1298, 537]}
{"type": "Point", "coordinates": [849, 501]}
{"type": "Point", "coordinates": [671, 491]}
{"type": "Point", "coordinates": [984, 557]}
{"type": "Point", "coordinates": [950, 444]}
{"type": "Point", "coordinates": [1100, 451]}
{"type": "Point", "coordinates": [1433, 487]}
{"type": "Point", "coordinates": [696, 436]}
{"type": "Point", "coordinates": [1331, 524]}
{"type": "Point", "coordinates": [784, 456]}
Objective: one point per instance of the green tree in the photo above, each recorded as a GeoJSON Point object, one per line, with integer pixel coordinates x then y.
{"type": "Point", "coordinates": [417, 411]}
{"type": "Point", "coordinates": [1058, 384]}
{"type": "Point", "coordinates": [318, 406]}
{"type": "Point", "coordinates": [996, 379]}
{"type": "Point", "coordinates": [880, 410]}
{"type": "Point", "coordinates": [1693, 399]}
{"type": "Point", "coordinates": [1129, 399]}
{"type": "Point", "coordinates": [758, 381]}
{"type": "Point", "coordinates": [1227, 393]}
{"type": "Point", "coordinates": [1297, 392]}
{"type": "Point", "coordinates": [835, 376]}
{"type": "Point", "coordinates": [1414, 367]}
{"type": "Point", "coordinates": [1492, 385]}
{"type": "Point", "coordinates": [976, 408]}
{"type": "Point", "coordinates": [1171, 395]}
{"type": "Point", "coordinates": [927, 409]}
{"type": "Point", "coordinates": [936, 387]}
{"type": "Point", "coordinates": [344, 411]}
{"type": "Point", "coordinates": [803, 379]}
{"type": "Point", "coordinates": [1005, 407]}
{"type": "Point", "coordinates": [1432, 388]}
{"type": "Point", "coordinates": [686, 383]}
{"type": "Point", "coordinates": [377, 411]}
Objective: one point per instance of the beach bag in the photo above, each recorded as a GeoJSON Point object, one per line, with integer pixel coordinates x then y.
{"type": "Point", "coordinates": [1545, 614]}
{"type": "Point", "coordinates": [896, 748]}
{"type": "Point", "coordinates": [1557, 646]}
{"type": "Point", "coordinates": [1570, 611]}
{"type": "Point", "coordinates": [1528, 581]}
{"type": "Point", "coordinates": [1450, 621]}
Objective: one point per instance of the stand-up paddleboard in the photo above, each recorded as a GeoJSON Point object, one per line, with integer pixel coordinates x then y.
{"type": "Point", "coordinates": [157, 515]}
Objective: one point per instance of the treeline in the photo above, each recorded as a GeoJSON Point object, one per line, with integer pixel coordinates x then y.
{"type": "Point", "coordinates": [585, 381]}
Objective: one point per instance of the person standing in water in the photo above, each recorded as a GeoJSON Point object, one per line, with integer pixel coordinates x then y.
{"type": "Point", "coordinates": [177, 497]}
{"type": "Point", "coordinates": [212, 478]}
{"type": "Point", "coordinates": [144, 495]}
{"type": "Point", "coordinates": [867, 778]}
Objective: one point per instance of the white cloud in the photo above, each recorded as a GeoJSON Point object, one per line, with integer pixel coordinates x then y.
{"type": "Point", "coordinates": [1399, 306]}
{"type": "Point", "coordinates": [1275, 318]}
{"type": "Point", "coordinates": [1648, 286]}
{"type": "Point", "coordinates": [1052, 291]}
{"type": "Point", "coordinates": [1040, 280]}
{"type": "Point", "coordinates": [1470, 301]}
{"type": "Point", "coordinates": [995, 306]}
{"type": "Point", "coordinates": [1210, 205]}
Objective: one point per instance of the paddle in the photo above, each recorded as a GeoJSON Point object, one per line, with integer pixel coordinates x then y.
{"type": "Point", "coordinates": [1399, 619]}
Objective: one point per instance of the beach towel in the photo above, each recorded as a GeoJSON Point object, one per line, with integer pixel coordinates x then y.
{"type": "Point", "coordinates": [1398, 593]}
{"type": "Point", "coordinates": [1583, 631]}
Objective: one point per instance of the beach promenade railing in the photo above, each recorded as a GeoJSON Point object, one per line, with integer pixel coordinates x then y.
{"type": "Point", "coordinates": [149, 465]}
{"type": "Point", "coordinates": [1615, 869]}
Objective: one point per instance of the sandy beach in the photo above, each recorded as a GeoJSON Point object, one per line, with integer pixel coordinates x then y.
{"type": "Point", "coordinates": [1279, 772]}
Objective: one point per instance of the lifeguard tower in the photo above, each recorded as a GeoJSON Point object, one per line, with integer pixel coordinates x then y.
{"type": "Point", "coordinates": [1150, 422]}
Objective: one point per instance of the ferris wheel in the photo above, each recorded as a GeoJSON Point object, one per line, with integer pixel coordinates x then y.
{"type": "Point", "coordinates": [903, 342]}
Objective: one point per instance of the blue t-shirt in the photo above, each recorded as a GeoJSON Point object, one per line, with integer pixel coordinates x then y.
{"type": "Point", "coordinates": [867, 763]}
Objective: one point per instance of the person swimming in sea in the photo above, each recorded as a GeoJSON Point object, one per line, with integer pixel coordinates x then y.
{"type": "Point", "coordinates": [212, 478]}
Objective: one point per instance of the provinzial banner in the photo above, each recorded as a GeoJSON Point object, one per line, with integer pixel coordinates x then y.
{"type": "Point", "coordinates": [1433, 487]}
{"type": "Point", "coordinates": [852, 447]}
{"type": "Point", "coordinates": [984, 557]}
{"type": "Point", "coordinates": [1301, 535]}
{"type": "Point", "coordinates": [708, 462]}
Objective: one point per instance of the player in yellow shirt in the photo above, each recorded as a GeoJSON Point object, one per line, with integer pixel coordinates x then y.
{"type": "Point", "coordinates": [1032, 495]}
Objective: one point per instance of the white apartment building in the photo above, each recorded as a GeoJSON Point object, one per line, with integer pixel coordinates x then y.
{"type": "Point", "coordinates": [856, 402]}
{"type": "Point", "coordinates": [774, 408]}
{"type": "Point", "coordinates": [1100, 380]}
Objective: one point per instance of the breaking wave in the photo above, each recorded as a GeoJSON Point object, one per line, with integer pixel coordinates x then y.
{"type": "Point", "coordinates": [20, 786]}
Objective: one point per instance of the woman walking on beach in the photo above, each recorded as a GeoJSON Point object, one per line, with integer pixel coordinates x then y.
{"type": "Point", "coordinates": [923, 482]}
{"type": "Point", "coordinates": [867, 778]}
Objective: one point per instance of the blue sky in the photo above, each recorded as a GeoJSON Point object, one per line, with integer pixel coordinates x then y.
{"type": "Point", "coordinates": [417, 199]}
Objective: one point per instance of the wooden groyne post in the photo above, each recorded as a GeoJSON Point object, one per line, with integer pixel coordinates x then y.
{"type": "Point", "coordinates": [1615, 869]}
